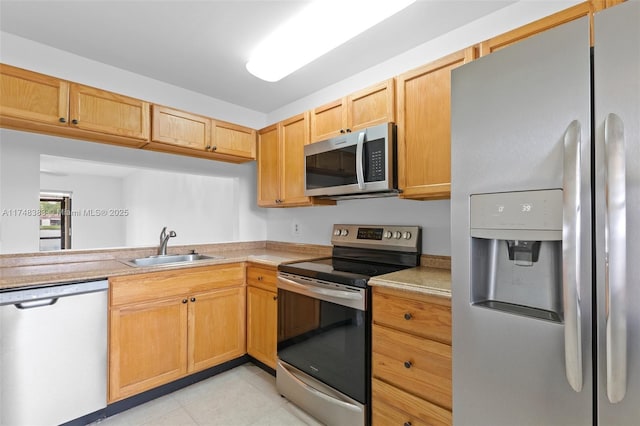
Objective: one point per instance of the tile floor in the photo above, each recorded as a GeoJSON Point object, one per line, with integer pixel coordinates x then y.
{"type": "Point", "coordinates": [244, 396]}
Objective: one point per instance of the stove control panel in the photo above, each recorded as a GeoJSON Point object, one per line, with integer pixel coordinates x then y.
{"type": "Point", "coordinates": [383, 237]}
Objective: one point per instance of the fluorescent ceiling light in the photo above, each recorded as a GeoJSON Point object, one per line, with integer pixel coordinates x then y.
{"type": "Point", "coordinates": [319, 28]}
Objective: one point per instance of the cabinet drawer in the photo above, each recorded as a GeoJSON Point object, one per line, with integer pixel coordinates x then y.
{"type": "Point", "coordinates": [422, 315]}
{"type": "Point", "coordinates": [262, 277]}
{"type": "Point", "coordinates": [157, 285]}
{"type": "Point", "coordinates": [419, 366]}
{"type": "Point", "coordinates": [392, 406]}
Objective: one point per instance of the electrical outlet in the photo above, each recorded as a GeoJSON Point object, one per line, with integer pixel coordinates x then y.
{"type": "Point", "coordinates": [295, 228]}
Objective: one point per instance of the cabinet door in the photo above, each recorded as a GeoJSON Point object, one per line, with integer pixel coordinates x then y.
{"type": "Point", "coordinates": [294, 135]}
{"type": "Point", "coordinates": [536, 27]}
{"type": "Point", "coordinates": [31, 96]}
{"type": "Point", "coordinates": [234, 140]}
{"type": "Point", "coordinates": [328, 120]}
{"type": "Point", "coordinates": [390, 405]}
{"type": "Point", "coordinates": [180, 128]}
{"type": "Point", "coordinates": [371, 106]}
{"type": "Point", "coordinates": [262, 315]}
{"type": "Point", "coordinates": [268, 166]}
{"type": "Point", "coordinates": [216, 327]}
{"type": "Point", "coordinates": [424, 128]}
{"type": "Point", "coordinates": [110, 113]}
{"type": "Point", "coordinates": [147, 346]}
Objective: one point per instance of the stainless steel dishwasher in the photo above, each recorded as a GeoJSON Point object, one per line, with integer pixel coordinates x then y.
{"type": "Point", "coordinates": [53, 353]}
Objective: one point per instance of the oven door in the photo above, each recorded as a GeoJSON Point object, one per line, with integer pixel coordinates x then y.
{"type": "Point", "coordinates": [323, 331]}
{"type": "Point", "coordinates": [353, 163]}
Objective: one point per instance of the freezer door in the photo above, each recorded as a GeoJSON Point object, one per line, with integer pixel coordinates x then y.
{"type": "Point", "coordinates": [617, 200]}
{"type": "Point", "coordinates": [514, 115]}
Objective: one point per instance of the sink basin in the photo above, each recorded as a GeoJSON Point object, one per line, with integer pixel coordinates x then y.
{"type": "Point", "coordinates": [170, 259]}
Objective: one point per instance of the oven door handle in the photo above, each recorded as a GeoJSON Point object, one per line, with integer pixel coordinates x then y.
{"type": "Point", "coordinates": [340, 294]}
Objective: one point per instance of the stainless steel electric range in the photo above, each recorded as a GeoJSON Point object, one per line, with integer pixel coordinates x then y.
{"type": "Point", "coordinates": [324, 324]}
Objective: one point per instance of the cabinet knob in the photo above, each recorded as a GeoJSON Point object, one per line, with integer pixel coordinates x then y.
{"type": "Point", "coordinates": [348, 130]}
{"type": "Point", "coordinates": [407, 423]}
{"type": "Point", "coordinates": [408, 364]}
{"type": "Point", "coordinates": [184, 300]}
{"type": "Point", "coordinates": [62, 120]}
{"type": "Point", "coordinates": [213, 148]}
{"type": "Point", "coordinates": [275, 297]}
{"type": "Point", "coordinates": [193, 299]}
{"type": "Point", "coordinates": [208, 147]}
{"type": "Point", "coordinates": [74, 121]}
{"type": "Point", "coordinates": [407, 316]}
{"type": "Point", "coordinates": [342, 131]}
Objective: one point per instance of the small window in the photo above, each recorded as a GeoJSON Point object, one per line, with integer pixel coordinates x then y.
{"type": "Point", "coordinates": [55, 222]}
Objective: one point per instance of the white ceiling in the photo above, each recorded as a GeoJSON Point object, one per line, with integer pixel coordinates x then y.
{"type": "Point", "coordinates": [204, 45]}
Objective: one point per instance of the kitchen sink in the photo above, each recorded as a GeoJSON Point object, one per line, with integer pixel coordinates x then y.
{"type": "Point", "coordinates": [169, 259]}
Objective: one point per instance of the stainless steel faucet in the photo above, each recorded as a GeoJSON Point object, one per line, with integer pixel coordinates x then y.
{"type": "Point", "coordinates": [164, 239]}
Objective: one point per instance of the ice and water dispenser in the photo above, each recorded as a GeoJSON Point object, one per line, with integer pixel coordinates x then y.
{"type": "Point", "coordinates": [516, 252]}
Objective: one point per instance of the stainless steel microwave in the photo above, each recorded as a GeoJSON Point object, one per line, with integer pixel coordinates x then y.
{"type": "Point", "coordinates": [359, 164]}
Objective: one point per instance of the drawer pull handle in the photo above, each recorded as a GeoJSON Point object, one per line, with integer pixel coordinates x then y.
{"type": "Point", "coordinates": [408, 316]}
{"type": "Point", "coordinates": [260, 278]}
{"type": "Point", "coordinates": [408, 364]}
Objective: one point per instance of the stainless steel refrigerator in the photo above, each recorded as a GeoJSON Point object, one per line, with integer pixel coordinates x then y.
{"type": "Point", "coordinates": [545, 218]}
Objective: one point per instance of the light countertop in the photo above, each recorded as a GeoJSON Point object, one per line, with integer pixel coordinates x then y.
{"type": "Point", "coordinates": [37, 270]}
{"type": "Point", "coordinates": [422, 279]}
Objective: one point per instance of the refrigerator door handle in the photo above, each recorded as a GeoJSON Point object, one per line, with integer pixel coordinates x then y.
{"type": "Point", "coordinates": [570, 256]}
{"type": "Point", "coordinates": [615, 257]}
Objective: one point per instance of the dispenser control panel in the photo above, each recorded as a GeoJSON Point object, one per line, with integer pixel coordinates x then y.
{"type": "Point", "coordinates": [521, 210]}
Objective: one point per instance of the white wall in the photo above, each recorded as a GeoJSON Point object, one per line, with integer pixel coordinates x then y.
{"type": "Point", "coordinates": [93, 193]}
{"type": "Point", "coordinates": [20, 182]}
{"type": "Point", "coordinates": [316, 222]}
{"type": "Point", "coordinates": [19, 191]}
{"type": "Point", "coordinates": [201, 209]}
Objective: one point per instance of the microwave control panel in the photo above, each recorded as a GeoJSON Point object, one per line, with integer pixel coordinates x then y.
{"type": "Point", "coordinates": [375, 161]}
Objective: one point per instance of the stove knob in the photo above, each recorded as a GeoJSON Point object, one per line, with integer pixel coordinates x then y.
{"type": "Point", "coordinates": [407, 235]}
{"type": "Point", "coordinates": [388, 234]}
{"type": "Point", "coordinates": [397, 235]}
{"type": "Point", "coordinates": [344, 232]}
{"type": "Point", "coordinates": [336, 232]}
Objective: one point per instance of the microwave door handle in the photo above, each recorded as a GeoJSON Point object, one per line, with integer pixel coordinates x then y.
{"type": "Point", "coordinates": [359, 160]}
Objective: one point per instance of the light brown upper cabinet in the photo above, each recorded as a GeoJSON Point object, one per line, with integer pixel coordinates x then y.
{"type": "Point", "coordinates": [231, 139]}
{"type": "Point", "coordinates": [365, 108]}
{"type": "Point", "coordinates": [191, 134]}
{"type": "Point", "coordinates": [31, 96]}
{"type": "Point", "coordinates": [106, 112]}
{"type": "Point", "coordinates": [175, 127]}
{"type": "Point", "coordinates": [281, 164]}
{"type": "Point", "coordinates": [424, 129]}
{"type": "Point", "coordinates": [39, 103]}
{"type": "Point", "coordinates": [536, 27]}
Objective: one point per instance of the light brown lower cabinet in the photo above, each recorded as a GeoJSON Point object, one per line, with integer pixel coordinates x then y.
{"type": "Point", "coordinates": [262, 314]}
{"type": "Point", "coordinates": [166, 325]}
{"type": "Point", "coordinates": [411, 358]}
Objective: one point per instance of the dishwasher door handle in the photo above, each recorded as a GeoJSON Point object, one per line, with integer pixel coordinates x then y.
{"type": "Point", "coordinates": [36, 303]}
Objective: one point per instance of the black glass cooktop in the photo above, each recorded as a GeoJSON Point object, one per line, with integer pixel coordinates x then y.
{"type": "Point", "coordinates": [342, 271]}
